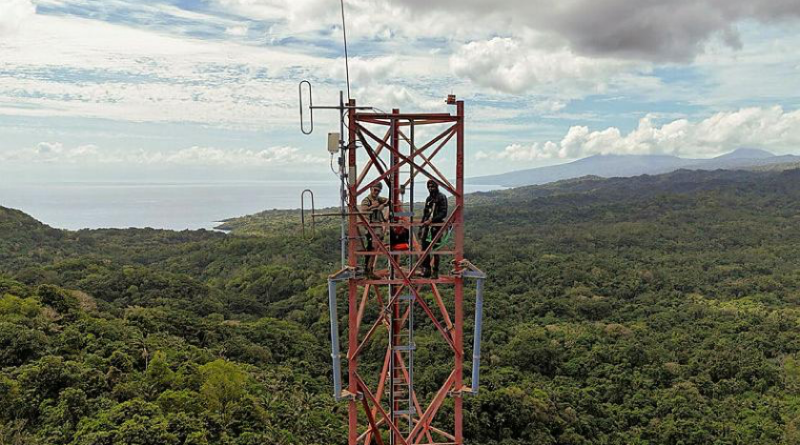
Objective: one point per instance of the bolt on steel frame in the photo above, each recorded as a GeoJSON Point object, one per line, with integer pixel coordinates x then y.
{"type": "Point", "coordinates": [392, 409]}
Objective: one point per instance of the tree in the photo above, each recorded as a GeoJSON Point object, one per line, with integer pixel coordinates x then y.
{"type": "Point", "coordinates": [58, 299]}
{"type": "Point", "coordinates": [223, 387]}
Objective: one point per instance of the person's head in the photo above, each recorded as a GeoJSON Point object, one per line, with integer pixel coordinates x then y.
{"type": "Point", "coordinates": [375, 191]}
{"type": "Point", "coordinates": [433, 187]}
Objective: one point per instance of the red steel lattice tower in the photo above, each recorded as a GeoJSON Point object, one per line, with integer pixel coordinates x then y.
{"type": "Point", "coordinates": [385, 308]}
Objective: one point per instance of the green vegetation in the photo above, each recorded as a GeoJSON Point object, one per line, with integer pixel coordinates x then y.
{"type": "Point", "coordinates": [648, 310]}
{"type": "Point", "coordinates": [777, 167]}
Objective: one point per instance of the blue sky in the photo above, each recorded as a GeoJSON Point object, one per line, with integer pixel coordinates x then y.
{"type": "Point", "coordinates": [188, 89]}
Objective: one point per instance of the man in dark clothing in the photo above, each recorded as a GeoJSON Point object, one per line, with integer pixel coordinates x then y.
{"type": "Point", "coordinates": [435, 213]}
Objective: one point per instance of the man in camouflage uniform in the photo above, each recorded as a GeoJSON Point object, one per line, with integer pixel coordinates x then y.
{"type": "Point", "coordinates": [375, 205]}
{"type": "Point", "coordinates": [435, 213]}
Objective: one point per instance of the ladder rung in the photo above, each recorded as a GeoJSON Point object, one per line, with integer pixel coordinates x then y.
{"type": "Point", "coordinates": [404, 412]}
{"type": "Point", "coordinates": [405, 347]}
{"type": "Point", "coordinates": [408, 297]}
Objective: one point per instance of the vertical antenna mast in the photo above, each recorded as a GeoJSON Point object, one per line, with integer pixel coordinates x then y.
{"type": "Point", "coordinates": [346, 62]}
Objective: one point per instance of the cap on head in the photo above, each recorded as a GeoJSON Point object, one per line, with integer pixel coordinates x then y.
{"type": "Point", "coordinates": [378, 186]}
{"type": "Point", "coordinates": [432, 182]}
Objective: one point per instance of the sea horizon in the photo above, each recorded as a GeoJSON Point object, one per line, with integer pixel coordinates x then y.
{"type": "Point", "coordinates": [169, 205]}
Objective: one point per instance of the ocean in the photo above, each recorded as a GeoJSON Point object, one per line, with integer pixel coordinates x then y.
{"type": "Point", "coordinates": [161, 205]}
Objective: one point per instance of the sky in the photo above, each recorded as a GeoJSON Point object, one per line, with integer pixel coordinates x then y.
{"type": "Point", "coordinates": [105, 90]}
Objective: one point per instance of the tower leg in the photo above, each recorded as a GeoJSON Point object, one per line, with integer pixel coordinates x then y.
{"type": "Point", "coordinates": [459, 285]}
{"type": "Point", "coordinates": [352, 361]}
{"type": "Point", "coordinates": [352, 364]}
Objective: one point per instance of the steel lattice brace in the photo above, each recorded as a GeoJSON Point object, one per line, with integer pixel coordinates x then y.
{"type": "Point", "coordinates": [403, 416]}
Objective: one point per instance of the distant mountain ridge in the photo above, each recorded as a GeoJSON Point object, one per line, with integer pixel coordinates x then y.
{"type": "Point", "coordinates": [610, 166]}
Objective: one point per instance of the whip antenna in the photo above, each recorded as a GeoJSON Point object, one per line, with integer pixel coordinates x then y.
{"type": "Point", "coordinates": [346, 63]}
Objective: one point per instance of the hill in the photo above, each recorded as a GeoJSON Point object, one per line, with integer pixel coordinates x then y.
{"type": "Point", "coordinates": [609, 166]}
{"type": "Point", "coordinates": [653, 309]}
{"type": "Point", "coordinates": [23, 237]}
{"type": "Point", "coordinates": [792, 165]}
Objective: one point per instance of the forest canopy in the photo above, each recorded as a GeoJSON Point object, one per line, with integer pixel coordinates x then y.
{"type": "Point", "coordinates": [647, 310]}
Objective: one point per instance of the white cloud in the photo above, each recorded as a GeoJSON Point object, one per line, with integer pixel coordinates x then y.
{"type": "Point", "coordinates": [55, 152]}
{"type": "Point", "coordinates": [13, 14]}
{"type": "Point", "coordinates": [560, 52]}
{"type": "Point", "coordinates": [141, 75]}
{"type": "Point", "coordinates": [122, 73]}
{"type": "Point", "coordinates": [135, 71]}
{"type": "Point", "coordinates": [764, 69]}
{"type": "Point", "coordinates": [675, 30]}
{"type": "Point", "coordinates": [302, 15]}
{"type": "Point", "coordinates": [48, 148]}
{"type": "Point", "coordinates": [511, 66]}
{"type": "Point", "coordinates": [768, 128]}
{"type": "Point", "coordinates": [237, 30]}
{"type": "Point", "coordinates": [52, 152]}
{"type": "Point", "coordinates": [366, 71]}
{"type": "Point", "coordinates": [659, 31]}
{"type": "Point", "coordinates": [373, 19]}
{"type": "Point", "coordinates": [385, 97]}
{"type": "Point", "coordinates": [217, 156]}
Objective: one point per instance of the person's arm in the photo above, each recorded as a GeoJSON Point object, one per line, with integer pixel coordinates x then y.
{"type": "Point", "coordinates": [440, 211]}
{"type": "Point", "coordinates": [365, 206]}
{"type": "Point", "coordinates": [430, 209]}
{"type": "Point", "coordinates": [384, 208]}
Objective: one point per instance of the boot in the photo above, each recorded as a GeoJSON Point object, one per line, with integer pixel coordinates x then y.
{"type": "Point", "coordinates": [434, 273]}
{"type": "Point", "coordinates": [426, 267]}
{"type": "Point", "coordinates": [370, 272]}
{"type": "Point", "coordinates": [368, 268]}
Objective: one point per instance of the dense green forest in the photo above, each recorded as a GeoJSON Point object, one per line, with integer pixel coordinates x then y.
{"type": "Point", "coordinates": [648, 310]}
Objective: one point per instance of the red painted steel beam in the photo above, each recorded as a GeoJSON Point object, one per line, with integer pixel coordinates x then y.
{"type": "Point", "coordinates": [433, 408]}
{"type": "Point", "coordinates": [395, 167]}
{"type": "Point", "coordinates": [406, 283]}
{"type": "Point", "coordinates": [433, 155]}
{"type": "Point", "coordinates": [441, 117]}
{"type": "Point", "coordinates": [352, 365]}
{"type": "Point", "coordinates": [379, 393]}
{"type": "Point", "coordinates": [368, 167]}
{"type": "Point", "coordinates": [458, 332]}
{"type": "Point", "coordinates": [371, 419]}
{"type": "Point", "coordinates": [442, 308]}
{"type": "Point", "coordinates": [365, 390]}
{"type": "Point", "coordinates": [405, 123]}
{"type": "Point", "coordinates": [409, 161]}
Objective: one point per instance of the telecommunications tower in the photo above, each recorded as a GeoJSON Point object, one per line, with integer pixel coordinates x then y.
{"type": "Point", "coordinates": [388, 403]}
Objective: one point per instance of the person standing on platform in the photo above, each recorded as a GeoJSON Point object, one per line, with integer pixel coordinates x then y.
{"type": "Point", "coordinates": [435, 213]}
{"type": "Point", "coordinates": [375, 205]}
